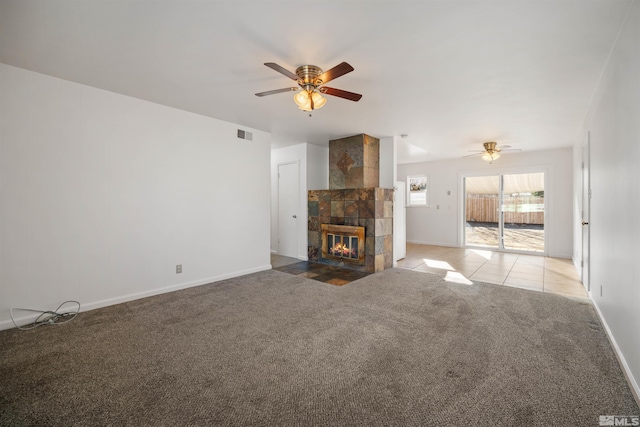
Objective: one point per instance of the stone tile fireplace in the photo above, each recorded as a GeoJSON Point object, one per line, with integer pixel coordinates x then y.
{"type": "Point", "coordinates": [351, 224]}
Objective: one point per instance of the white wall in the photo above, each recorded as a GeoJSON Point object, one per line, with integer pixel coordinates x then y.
{"type": "Point", "coordinates": [313, 161]}
{"type": "Point", "coordinates": [388, 162]}
{"type": "Point", "coordinates": [101, 195]}
{"type": "Point", "coordinates": [614, 123]}
{"type": "Point", "coordinates": [317, 167]}
{"type": "Point", "coordinates": [430, 225]}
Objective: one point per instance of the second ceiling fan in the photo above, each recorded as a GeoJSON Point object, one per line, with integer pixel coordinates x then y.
{"type": "Point", "coordinates": [491, 151]}
{"type": "Point", "coordinates": [310, 81]}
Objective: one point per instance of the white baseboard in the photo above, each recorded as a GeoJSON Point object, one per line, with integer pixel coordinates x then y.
{"type": "Point", "coordinates": [8, 323]}
{"type": "Point", "coordinates": [300, 257]}
{"type": "Point", "coordinates": [560, 255]}
{"type": "Point", "coordinates": [626, 370]}
{"type": "Point", "coordinates": [576, 264]}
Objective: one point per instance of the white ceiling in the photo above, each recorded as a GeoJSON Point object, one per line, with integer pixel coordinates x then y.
{"type": "Point", "coordinates": [450, 74]}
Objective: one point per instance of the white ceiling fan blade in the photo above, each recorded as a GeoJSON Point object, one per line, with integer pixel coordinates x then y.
{"type": "Point", "coordinates": [271, 92]}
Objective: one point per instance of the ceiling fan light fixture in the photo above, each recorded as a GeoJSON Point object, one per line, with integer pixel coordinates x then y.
{"type": "Point", "coordinates": [318, 100]}
{"type": "Point", "coordinates": [489, 157]}
{"type": "Point", "coordinates": [303, 100]}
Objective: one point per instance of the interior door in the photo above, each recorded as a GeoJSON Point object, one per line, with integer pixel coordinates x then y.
{"type": "Point", "coordinates": [288, 205]}
{"type": "Point", "coordinates": [586, 207]}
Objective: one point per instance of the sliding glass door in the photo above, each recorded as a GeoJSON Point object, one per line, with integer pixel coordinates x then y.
{"type": "Point", "coordinates": [523, 212]}
{"type": "Point", "coordinates": [482, 208]}
{"type": "Point", "coordinates": [505, 212]}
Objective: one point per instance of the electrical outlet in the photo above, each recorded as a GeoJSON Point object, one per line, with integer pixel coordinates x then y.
{"type": "Point", "coordinates": [178, 268]}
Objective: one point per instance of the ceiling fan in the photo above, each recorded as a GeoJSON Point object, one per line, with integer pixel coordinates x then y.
{"type": "Point", "coordinates": [491, 151]}
{"type": "Point", "coordinates": [310, 81]}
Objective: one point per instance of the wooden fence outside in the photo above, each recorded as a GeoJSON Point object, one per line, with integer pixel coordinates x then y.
{"type": "Point", "coordinates": [518, 209]}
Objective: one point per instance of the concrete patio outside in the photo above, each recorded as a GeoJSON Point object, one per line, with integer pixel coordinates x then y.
{"type": "Point", "coordinates": [522, 237]}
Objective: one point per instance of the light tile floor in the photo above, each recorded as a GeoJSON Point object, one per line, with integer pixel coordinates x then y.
{"type": "Point", "coordinates": [536, 273]}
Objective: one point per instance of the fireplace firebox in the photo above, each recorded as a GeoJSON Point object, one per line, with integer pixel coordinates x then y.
{"type": "Point", "coordinates": [343, 242]}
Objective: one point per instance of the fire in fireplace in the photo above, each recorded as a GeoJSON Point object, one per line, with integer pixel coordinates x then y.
{"type": "Point", "coordinates": [343, 246]}
{"type": "Point", "coordinates": [343, 242]}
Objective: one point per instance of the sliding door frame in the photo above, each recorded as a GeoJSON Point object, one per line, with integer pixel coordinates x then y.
{"type": "Point", "coordinates": [500, 173]}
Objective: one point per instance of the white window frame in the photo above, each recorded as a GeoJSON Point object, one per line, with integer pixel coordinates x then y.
{"type": "Point", "coordinates": [424, 191]}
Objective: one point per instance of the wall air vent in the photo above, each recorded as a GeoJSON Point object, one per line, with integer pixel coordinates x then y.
{"type": "Point", "coordinates": [245, 135]}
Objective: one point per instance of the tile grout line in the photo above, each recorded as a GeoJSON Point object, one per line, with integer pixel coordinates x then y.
{"type": "Point", "coordinates": [509, 273]}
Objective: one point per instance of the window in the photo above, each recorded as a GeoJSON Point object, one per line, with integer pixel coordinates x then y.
{"type": "Point", "coordinates": [417, 188]}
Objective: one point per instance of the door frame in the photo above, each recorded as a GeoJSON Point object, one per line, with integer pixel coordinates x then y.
{"type": "Point", "coordinates": [501, 172]}
{"type": "Point", "coordinates": [399, 222]}
{"type": "Point", "coordinates": [585, 261]}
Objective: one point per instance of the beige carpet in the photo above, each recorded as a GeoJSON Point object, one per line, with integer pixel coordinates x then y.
{"type": "Point", "coordinates": [395, 348]}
